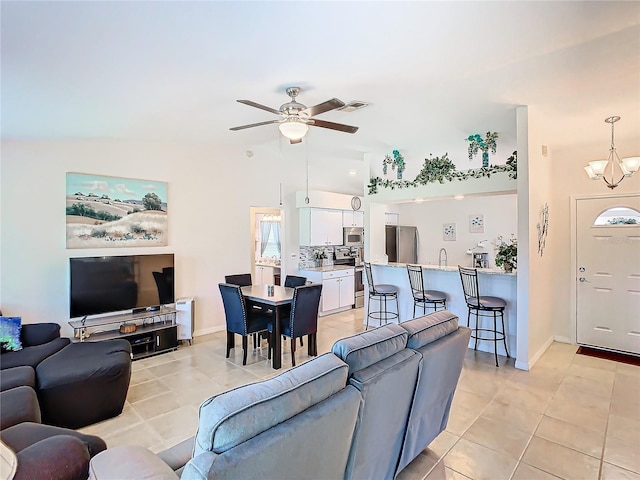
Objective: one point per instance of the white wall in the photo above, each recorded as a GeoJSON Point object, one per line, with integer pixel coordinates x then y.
{"type": "Point", "coordinates": [500, 218]}
{"type": "Point", "coordinates": [211, 188]}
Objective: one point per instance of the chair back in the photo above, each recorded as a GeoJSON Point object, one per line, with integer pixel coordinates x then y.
{"type": "Point", "coordinates": [294, 281]}
{"type": "Point", "coordinates": [303, 319]}
{"type": "Point", "coordinates": [416, 280]}
{"type": "Point", "coordinates": [240, 279]}
{"type": "Point", "coordinates": [235, 308]}
{"type": "Point", "coordinates": [469, 279]}
{"type": "Point", "coordinates": [164, 283]}
{"type": "Point", "coordinates": [367, 270]}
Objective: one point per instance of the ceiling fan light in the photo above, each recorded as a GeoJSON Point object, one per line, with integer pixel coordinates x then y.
{"type": "Point", "coordinates": [293, 130]}
{"type": "Point", "coordinates": [598, 166]}
{"type": "Point", "coordinates": [630, 165]}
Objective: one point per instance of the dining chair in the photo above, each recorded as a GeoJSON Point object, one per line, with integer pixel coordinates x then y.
{"type": "Point", "coordinates": [240, 279]}
{"type": "Point", "coordinates": [477, 304]}
{"type": "Point", "coordinates": [294, 281]}
{"type": "Point", "coordinates": [303, 319]}
{"type": "Point", "coordinates": [381, 293]}
{"type": "Point", "coordinates": [422, 297]}
{"type": "Point", "coordinates": [240, 319]}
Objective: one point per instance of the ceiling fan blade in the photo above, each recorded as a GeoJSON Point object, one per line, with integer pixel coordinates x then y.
{"type": "Point", "coordinates": [255, 125]}
{"type": "Point", "coordinates": [293, 142]}
{"type": "Point", "coordinates": [323, 107]}
{"type": "Point", "coordinates": [334, 126]}
{"type": "Point", "coordinates": [257, 105]}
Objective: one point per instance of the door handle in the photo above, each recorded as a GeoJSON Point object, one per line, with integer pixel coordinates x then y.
{"type": "Point", "coordinates": [584, 280]}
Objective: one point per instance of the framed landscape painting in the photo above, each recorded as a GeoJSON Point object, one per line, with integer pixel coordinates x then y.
{"type": "Point", "coordinates": [106, 211]}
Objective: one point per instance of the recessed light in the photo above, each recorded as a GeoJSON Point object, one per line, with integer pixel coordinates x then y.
{"type": "Point", "coordinates": [418, 200]}
{"type": "Point", "coordinates": [458, 197]}
{"type": "Point", "coordinates": [352, 173]}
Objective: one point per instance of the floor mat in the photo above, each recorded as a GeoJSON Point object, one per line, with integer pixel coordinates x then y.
{"type": "Point", "coordinates": [607, 355]}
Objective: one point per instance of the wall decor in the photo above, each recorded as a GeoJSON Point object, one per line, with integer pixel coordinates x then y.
{"type": "Point", "coordinates": [104, 211]}
{"type": "Point", "coordinates": [449, 232]}
{"type": "Point", "coordinates": [396, 161]}
{"type": "Point", "coordinates": [476, 142]}
{"type": "Point", "coordinates": [439, 169]}
{"type": "Point", "coordinates": [543, 228]}
{"type": "Point", "coordinates": [476, 223]}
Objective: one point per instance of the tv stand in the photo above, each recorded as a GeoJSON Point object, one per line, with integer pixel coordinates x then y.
{"type": "Point", "coordinates": [156, 331]}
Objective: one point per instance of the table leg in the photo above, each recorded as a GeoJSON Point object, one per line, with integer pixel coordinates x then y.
{"type": "Point", "coordinates": [277, 341]}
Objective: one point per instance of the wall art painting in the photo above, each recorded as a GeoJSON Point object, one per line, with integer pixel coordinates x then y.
{"type": "Point", "coordinates": [476, 223]}
{"type": "Point", "coordinates": [104, 211]}
{"type": "Point", "coordinates": [449, 231]}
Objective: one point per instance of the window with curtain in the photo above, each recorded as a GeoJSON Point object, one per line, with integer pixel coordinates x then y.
{"type": "Point", "coordinates": [270, 239]}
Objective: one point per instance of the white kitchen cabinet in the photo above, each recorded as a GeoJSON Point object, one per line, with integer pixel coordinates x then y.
{"type": "Point", "coordinates": [352, 218]}
{"type": "Point", "coordinates": [320, 227]}
{"type": "Point", "coordinates": [391, 218]}
{"type": "Point", "coordinates": [338, 289]}
{"type": "Point", "coordinates": [263, 275]}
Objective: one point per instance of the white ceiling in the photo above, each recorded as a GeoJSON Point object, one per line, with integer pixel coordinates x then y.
{"type": "Point", "coordinates": [434, 72]}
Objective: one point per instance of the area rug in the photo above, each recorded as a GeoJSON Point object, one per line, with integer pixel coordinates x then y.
{"type": "Point", "coordinates": [615, 356]}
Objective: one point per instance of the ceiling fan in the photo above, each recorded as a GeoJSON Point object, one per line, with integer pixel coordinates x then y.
{"type": "Point", "coordinates": [296, 117]}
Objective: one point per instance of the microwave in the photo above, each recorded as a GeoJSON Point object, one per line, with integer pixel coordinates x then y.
{"type": "Point", "coordinates": [353, 236]}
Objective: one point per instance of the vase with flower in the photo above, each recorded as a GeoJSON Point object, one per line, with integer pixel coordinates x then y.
{"type": "Point", "coordinates": [319, 256]}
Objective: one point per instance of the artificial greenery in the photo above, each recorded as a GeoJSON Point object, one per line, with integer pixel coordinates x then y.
{"type": "Point", "coordinates": [439, 169]}
{"type": "Point", "coordinates": [622, 221]}
{"type": "Point", "coordinates": [476, 142]}
{"type": "Point", "coordinates": [319, 254]}
{"type": "Point", "coordinates": [507, 256]}
{"type": "Point", "coordinates": [396, 161]}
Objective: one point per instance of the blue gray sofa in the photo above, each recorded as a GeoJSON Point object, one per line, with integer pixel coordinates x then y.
{"type": "Point", "coordinates": [364, 410]}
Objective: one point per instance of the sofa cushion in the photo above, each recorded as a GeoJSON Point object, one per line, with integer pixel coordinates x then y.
{"type": "Point", "coordinates": [367, 348]}
{"type": "Point", "coordinates": [32, 356]}
{"type": "Point", "coordinates": [129, 462]}
{"type": "Point", "coordinates": [10, 334]}
{"type": "Point", "coordinates": [235, 416]}
{"type": "Point", "coordinates": [18, 405]}
{"type": "Point", "coordinates": [429, 328]}
{"type": "Point", "coordinates": [17, 377]}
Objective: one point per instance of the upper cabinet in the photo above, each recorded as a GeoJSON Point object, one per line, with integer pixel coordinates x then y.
{"type": "Point", "coordinates": [391, 218]}
{"type": "Point", "coordinates": [351, 218]}
{"type": "Point", "coordinates": [320, 227]}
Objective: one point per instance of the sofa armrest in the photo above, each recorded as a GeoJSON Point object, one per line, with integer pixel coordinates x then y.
{"type": "Point", "coordinates": [129, 462]}
{"type": "Point", "coordinates": [62, 457]}
{"type": "Point", "coordinates": [19, 405]}
{"type": "Point", "coordinates": [38, 333]}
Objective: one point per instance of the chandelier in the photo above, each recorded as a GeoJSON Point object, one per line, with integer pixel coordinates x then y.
{"type": "Point", "coordinates": [606, 169]}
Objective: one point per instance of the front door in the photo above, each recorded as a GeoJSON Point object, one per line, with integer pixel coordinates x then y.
{"type": "Point", "coordinates": [608, 273]}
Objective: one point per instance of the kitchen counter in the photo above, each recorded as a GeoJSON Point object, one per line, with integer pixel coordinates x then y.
{"type": "Point", "coordinates": [265, 264]}
{"type": "Point", "coordinates": [328, 268]}
{"type": "Point", "coordinates": [448, 268]}
{"type": "Point", "coordinates": [492, 282]}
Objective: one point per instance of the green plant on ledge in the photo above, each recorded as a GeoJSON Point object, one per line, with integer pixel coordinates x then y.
{"type": "Point", "coordinates": [476, 142]}
{"type": "Point", "coordinates": [439, 169]}
{"type": "Point", "coordinates": [507, 256]}
{"type": "Point", "coordinates": [396, 161]}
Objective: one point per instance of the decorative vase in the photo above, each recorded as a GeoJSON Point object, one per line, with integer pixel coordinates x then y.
{"type": "Point", "coordinates": [485, 159]}
{"type": "Point", "coordinates": [320, 262]}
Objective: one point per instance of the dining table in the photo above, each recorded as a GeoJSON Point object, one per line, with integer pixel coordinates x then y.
{"type": "Point", "coordinates": [281, 297]}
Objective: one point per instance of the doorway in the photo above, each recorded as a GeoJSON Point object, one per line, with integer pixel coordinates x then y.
{"type": "Point", "coordinates": [267, 245]}
{"type": "Point", "coordinates": [608, 272]}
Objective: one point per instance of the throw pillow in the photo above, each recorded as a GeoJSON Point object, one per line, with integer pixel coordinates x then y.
{"type": "Point", "coordinates": [10, 333]}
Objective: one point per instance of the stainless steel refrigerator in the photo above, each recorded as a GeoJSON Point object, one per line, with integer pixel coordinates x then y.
{"type": "Point", "coordinates": [401, 244]}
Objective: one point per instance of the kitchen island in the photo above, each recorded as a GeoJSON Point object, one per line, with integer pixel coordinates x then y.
{"type": "Point", "coordinates": [493, 282]}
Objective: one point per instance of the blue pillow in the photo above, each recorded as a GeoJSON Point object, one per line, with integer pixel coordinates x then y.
{"type": "Point", "coordinates": [10, 333]}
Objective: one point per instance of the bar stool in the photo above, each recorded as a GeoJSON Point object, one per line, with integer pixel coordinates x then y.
{"type": "Point", "coordinates": [426, 298]}
{"type": "Point", "coordinates": [380, 292]}
{"type": "Point", "coordinates": [477, 304]}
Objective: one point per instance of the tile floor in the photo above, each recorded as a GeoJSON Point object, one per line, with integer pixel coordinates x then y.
{"type": "Point", "coordinates": [570, 417]}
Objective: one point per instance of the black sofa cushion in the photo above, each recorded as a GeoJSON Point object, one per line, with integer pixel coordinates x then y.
{"type": "Point", "coordinates": [25, 434]}
{"type": "Point", "coordinates": [17, 377]}
{"type": "Point", "coordinates": [32, 355]}
{"type": "Point", "coordinates": [18, 405]}
{"type": "Point", "coordinates": [62, 457]}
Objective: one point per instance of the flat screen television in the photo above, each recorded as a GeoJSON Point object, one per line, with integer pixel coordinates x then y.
{"type": "Point", "coordinates": [118, 283]}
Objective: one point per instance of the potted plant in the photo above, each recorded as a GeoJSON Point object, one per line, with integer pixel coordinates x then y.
{"type": "Point", "coordinates": [319, 256]}
{"type": "Point", "coordinates": [507, 256]}
{"type": "Point", "coordinates": [476, 142]}
{"type": "Point", "coordinates": [396, 161]}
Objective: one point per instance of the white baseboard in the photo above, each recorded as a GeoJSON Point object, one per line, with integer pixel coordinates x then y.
{"type": "Point", "coordinates": [207, 331]}
{"type": "Point", "coordinates": [526, 365]}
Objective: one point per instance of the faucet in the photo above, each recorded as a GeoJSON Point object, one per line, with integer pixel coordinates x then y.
{"type": "Point", "coordinates": [442, 250]}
